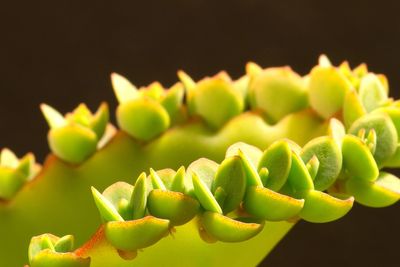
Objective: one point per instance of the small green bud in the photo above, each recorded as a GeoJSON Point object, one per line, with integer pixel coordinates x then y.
{"type": "Point", "coordinates": [143, 118]}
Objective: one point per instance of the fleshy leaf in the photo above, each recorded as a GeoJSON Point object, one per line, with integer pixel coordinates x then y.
{"type": "Point", "coordinates": [136, 234]}
{"type": "Point", "coordinates": [205, 169]}
{"type": "Point", "coordinates": [327, 90]}
{"type": "Point", "coordinates": [124, 90]}
{"type": "Point", "coordinates": [119, 195]}
{"type": "Point", "coordinates": [156, 180]}
{"type": "Point", "coordinates": [52, 116]}
{"type": "Point", "coordinates": [64, 244]}
{"type": "Point", "coordinates": [330, 160]}
{"type": "Point", "coordinates": [143, 118]}
{"type": "Point", "coordinates": [204, 195]}
{"type": "Point", "coordinates": [278, 85]}
{"type": "Point", "coordinates": [253, 153]}
{"type": "Point", "coordinates": [8, 158]}
{"type": "Point", "coordinates": [173, 98]}
{"type": "Point", "coordinates": [358, 160]}
{"type": "Point", "coordinates": [271, 206]}
{"type": "Point", "coordinates": [299, 180]}
{"type": "Point", "coordinates": [226, 229]}
{"type": "Point", "coordinates": [313, 166]}
{"type": "Point", "coordinates": [139, 197]}
{"type": "Point", "coordinates": [277, 159]}
{"type": "Point", "coordinates": [99, 120]}
{"type": "Point", "coordinates": [336, 130]}
{"type": "Point", "coordinates": [186, 80]}
{"type": "Point", "coordinates": [178, 183]}
{"type": "Point", "coordinates": [250, 170]}
{"type": "Point", "coordinates": [106, 209]}
{"type": "Point", "coordinates": [353, 108]}
{"type": "Point", "coordinates": [371, 92]}
{"type": "Point", "coordinates": [174, 206]}
{"type": "Point", "coordinates": [320, 207]}
{"type": "Point", "coordinates": [232, 179]}
{"type": "Point", "coordinates": [216, 101]}
{"type": "Point", "coordinates": [383, 192]}
{"type": "Point", "coordinates": [387, 139]}
{"type": "Point", "coordinates": [72, 143]}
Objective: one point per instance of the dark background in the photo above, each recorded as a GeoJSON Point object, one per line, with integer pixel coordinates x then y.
{"type": "Point", "coordinates": [62, 52]}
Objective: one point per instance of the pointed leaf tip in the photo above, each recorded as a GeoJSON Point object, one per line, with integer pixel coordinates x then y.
{"type": "Point", "coordinates": [124, 90]}
{"type": "Point", "coordinates": [54, 118]}
{"type": "Point", "coordinates": [106, 209]}
{"type": "Point", "coordinates": [156, 180]}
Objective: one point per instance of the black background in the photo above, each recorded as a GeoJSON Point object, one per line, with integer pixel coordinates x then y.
{"type": "Point", "coordinates": [62, 52]}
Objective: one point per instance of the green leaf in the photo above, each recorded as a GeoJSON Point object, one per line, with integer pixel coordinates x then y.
{"type": "Point", "coordinates": [174, 206]}
{"type": "Point", "coordinates": [139, 196]}
{"type": "Point", "coordinates": [105, 207]}
{"type": "Point", "coordinates": [226, 229]}
{"type": "Point", "coordinates": [26, 166]}
{"type": "Point", "coordinates": [124, 90]}
{"type": "Point", "coordinates": [204, 195]}
{"type": "Point", "coordinates": [327, 90]}
{"type": "Point", "coordinates": [250, 170]}
{"type": "Point", "coordinates": [278, 85]}
{"type": "Point", "coordinates": [205, 170]}
{"type": "Point", "coordinates": [383, 192]}
{"type": "Point", "coordinates": [324, 61]}
{"type": "Point", "coordinates": [216, 101]}
{"type": "Point", "coordinates": [277, 159]}
{"type": "Point", "coordinates": [299, 179]}
{"type": "Point", "coordinates": [320, 207]}
{"type": "Point", "coordinates": [136, 234]}
{"type": "Point", "coordinates": [52, 116]}
{"type": "Point", "coordinates": [186, 80]}
{"type": "Point", "coordinates": [232, 179]}
{"type": "Point", "coordinates": [252, 152]}
{"type": "Point", "coordinates": [178, 183]}
{"type": "Point", "coordinates": [72, 143]}
{"type": "Point", "coordinates": [264, 174]}
{"type": "Point", "coordinates": [313, 166]}
{"type": "Point", "coordinates": [387, 139]}
{"type": "Point", "coordinates": [10, 182]}
{"type": "Point", "coordinates": [371, 92]}
{"type": "Point", "coordinates": [353, 108]}
{"type": "Point", "coordinates": [8, 159]}
{"type": "Point", "coordinates": [120, 194]}
{"type": "Point", "coordinates": [173, 98]}
{"type": "Point", "coordinates": [336, 130]}
{"type": "Point", "coordinates": [358, 160]}
{"type": "Point", "coordinates": [64, 244]}
{"type": "Point", "coordinates": [99, 120]}
{"type": "Point", "coordinates": [330, 160]}
{"type": "Point", "coordinates": [156, 180]}
{"type": "Point", "coordinates": [143, 119]}
{"type": "Point", "coordinates": [271, 206]}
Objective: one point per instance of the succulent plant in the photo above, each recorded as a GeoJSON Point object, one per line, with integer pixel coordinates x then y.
{"type": "Point", "coordinates": [238, 163]}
